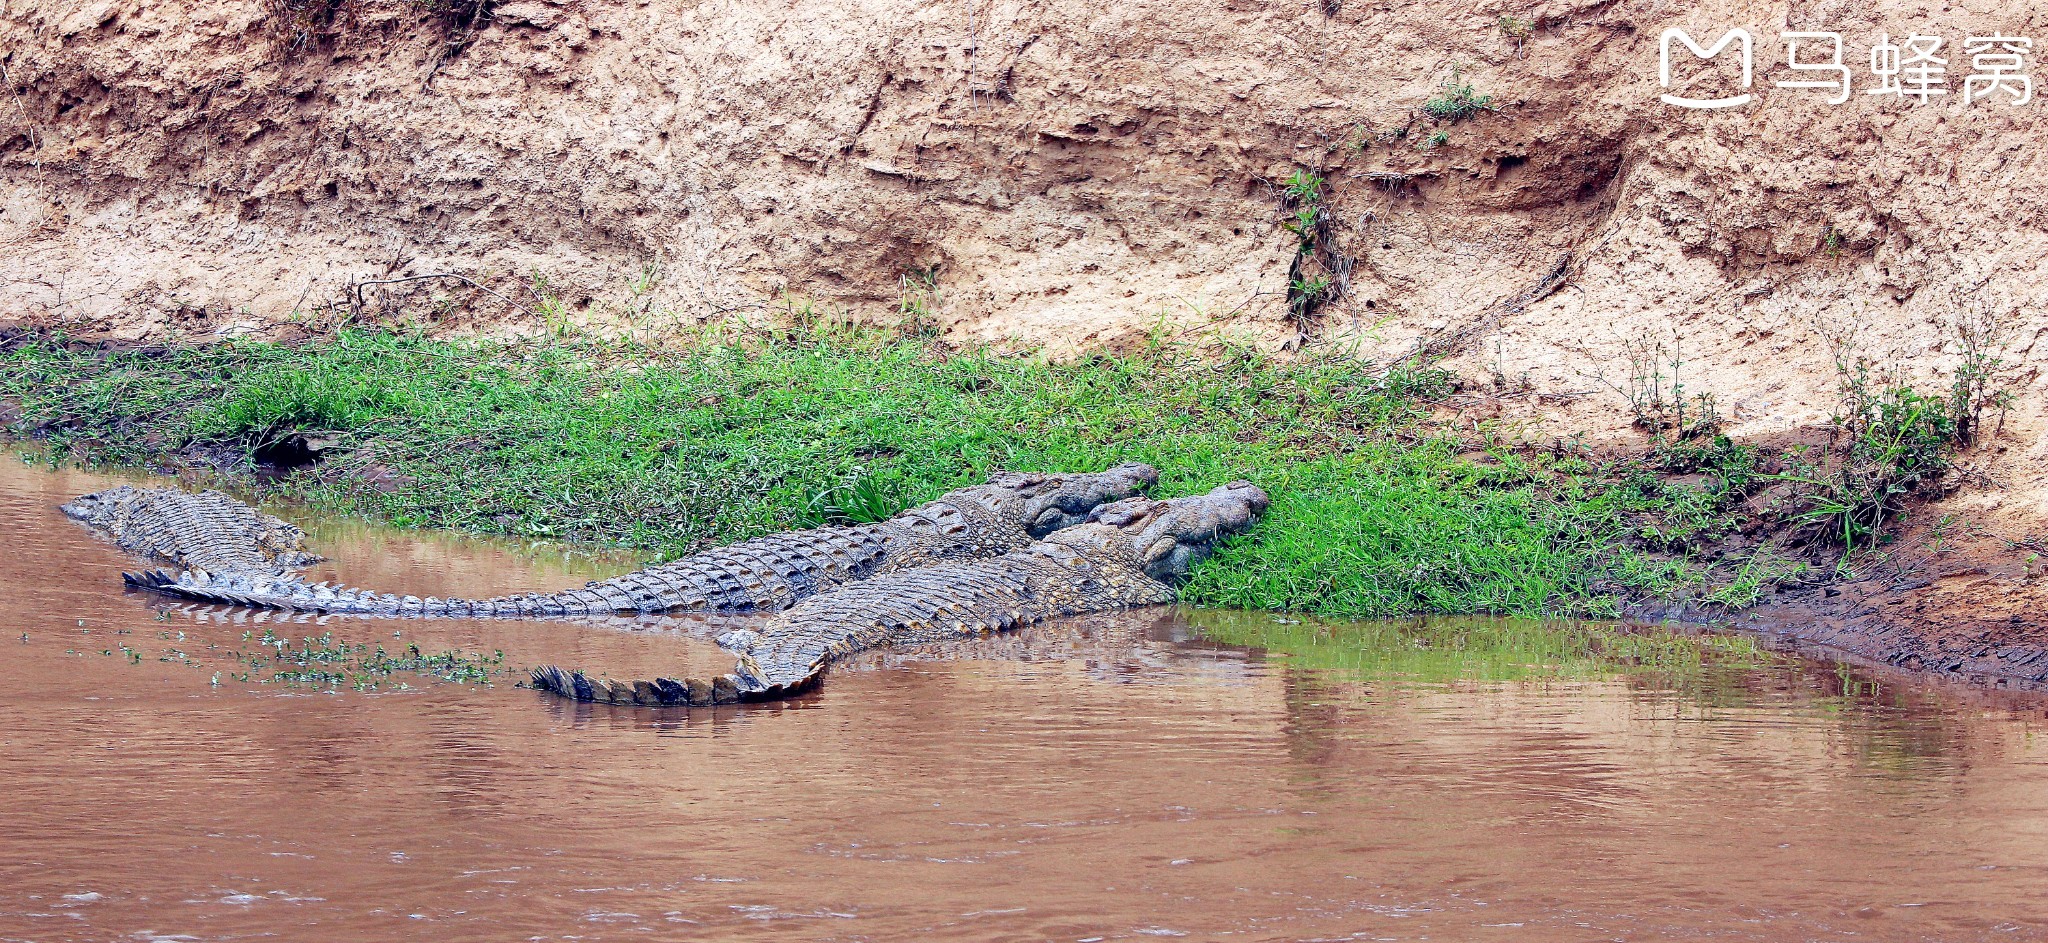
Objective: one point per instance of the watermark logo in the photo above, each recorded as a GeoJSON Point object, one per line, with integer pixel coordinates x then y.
{"type": "Point", "coordinates": [1737, 35]}
{"type": "Point", "coordinates": [1916, 67]}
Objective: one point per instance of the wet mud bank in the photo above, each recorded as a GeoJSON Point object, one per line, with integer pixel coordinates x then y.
{"type": "Point", "coordinates": [1966, 621]}
{"type": "Point", "coordinates": [1978, 618]}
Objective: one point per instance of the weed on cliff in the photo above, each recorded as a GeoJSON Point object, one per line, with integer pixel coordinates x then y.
{"type": "Point", "coordinates": [1515, 29]}
{"type": "Point", "coordinates": [1655, 390]}
{"type": "Point", "coordinates": [1317, 276]}
{"type": "Point", "coordinates": [917, 304]}
{"type": "Point", "coordinates": [736, 435]}
{"type": "Point", "coordinates": [1457, 100]}
{"type": "Point", "coordinates": [1891, 442]}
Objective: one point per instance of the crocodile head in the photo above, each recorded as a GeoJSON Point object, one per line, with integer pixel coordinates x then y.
{"type": "Point", "coordinates": [1168, 538]}
{"type": "Point", "coordinates": [1043, 503]}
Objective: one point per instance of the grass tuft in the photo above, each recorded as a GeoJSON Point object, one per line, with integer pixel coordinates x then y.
{"type": "Point", "coordinates": [1457, 100]}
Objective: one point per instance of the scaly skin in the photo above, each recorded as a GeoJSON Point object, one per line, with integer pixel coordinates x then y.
{"type": "Point", "coordinates": [201, 533]}
{"type": "Point", "coordinates": [1129, 554]}
{"type": "Point", "coordinates": [767, 574]}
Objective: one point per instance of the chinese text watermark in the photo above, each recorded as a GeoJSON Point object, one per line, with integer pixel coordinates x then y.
{"type": "Point", "coordinates": [1914, 67]}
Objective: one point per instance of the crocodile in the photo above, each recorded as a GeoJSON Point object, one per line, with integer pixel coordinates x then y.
{"type": "Point", "coordinates": [767, 574]}
{"type": "Point", "coordinates": [1128, 553]}
{"type": "Point", "coordinates": [207, 533]}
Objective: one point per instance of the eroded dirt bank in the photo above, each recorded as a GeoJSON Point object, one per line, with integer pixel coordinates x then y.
{"type": "Point", "coordinates": [1066, 175]}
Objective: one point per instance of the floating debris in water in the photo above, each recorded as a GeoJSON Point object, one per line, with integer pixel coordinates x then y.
{"type": "Point", "coordinates": [326, 661]}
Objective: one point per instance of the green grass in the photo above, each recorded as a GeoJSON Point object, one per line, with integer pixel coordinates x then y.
{"type": "Point", "coordinates": [668, 451]}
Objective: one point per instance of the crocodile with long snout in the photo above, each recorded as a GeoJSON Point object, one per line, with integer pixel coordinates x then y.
{"type": "Point", "coordinates": [1129, 553]}
{"type": "Point", "coordinates": [766, 574]}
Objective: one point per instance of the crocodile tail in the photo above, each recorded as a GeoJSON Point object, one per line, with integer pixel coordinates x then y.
{"type": "Point", "coordinates": [660, 692]}
{"type": "Point", "coordinates": [199, 585]}
{"type": "Point", "coordinates": [294, 594]}
{"type": "Point", "coordinates": [768, 573]}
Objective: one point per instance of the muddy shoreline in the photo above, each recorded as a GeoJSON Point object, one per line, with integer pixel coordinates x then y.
{"type": "Point", "coordinates": [1970, 620]}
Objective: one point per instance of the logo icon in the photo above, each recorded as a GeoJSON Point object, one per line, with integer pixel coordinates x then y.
{"type": "Point", "coordinates": [1737, 35]}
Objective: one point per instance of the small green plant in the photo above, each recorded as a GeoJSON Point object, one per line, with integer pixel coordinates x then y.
{"type": "Point", "coordinates": [1306, 225]}
{"type": "Point", "coordinates": [1517, 29]}
{"type": "Point", "coordinates": [1435, 140]}
{"type": "Point", "coordinates": [1655, 392]}
{"type": "Point", "coordinates": [1457, 100]}
{"type": "Point", "coordinates": [1831, 242]}
{"type": "Point", "coordinates": [1314, 250]}
{"type": "Point", "coordinates": [1304, 186]}
{"type": "Point", "coordinates": [1313, 287]}
{"type": "Point", "coordinates": [554, 314]}
{"type": "Point", "coordinates": [1304, 296]}
{"type": "Point", "coordinates": [1982, 375]}
{"type": "Point", "coordinates": [917, 306]}
{"type": "Point", "coordinates": [867, 499]}
{"type": "Point", "coordinates": [640, 291]}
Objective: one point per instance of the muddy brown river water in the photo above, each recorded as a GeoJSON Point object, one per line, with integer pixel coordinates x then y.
{"type": "Point", "coordinates": [1110, 779]}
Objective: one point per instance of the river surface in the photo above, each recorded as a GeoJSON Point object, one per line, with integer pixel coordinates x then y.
{"type": "Point", "coordinates": [1122, 778]}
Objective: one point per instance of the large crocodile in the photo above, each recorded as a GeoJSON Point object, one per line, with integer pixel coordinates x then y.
{"type": "Point", "coordinates": [1129, 553]}
{"type": "Point", "coordinates": [766, 574]}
